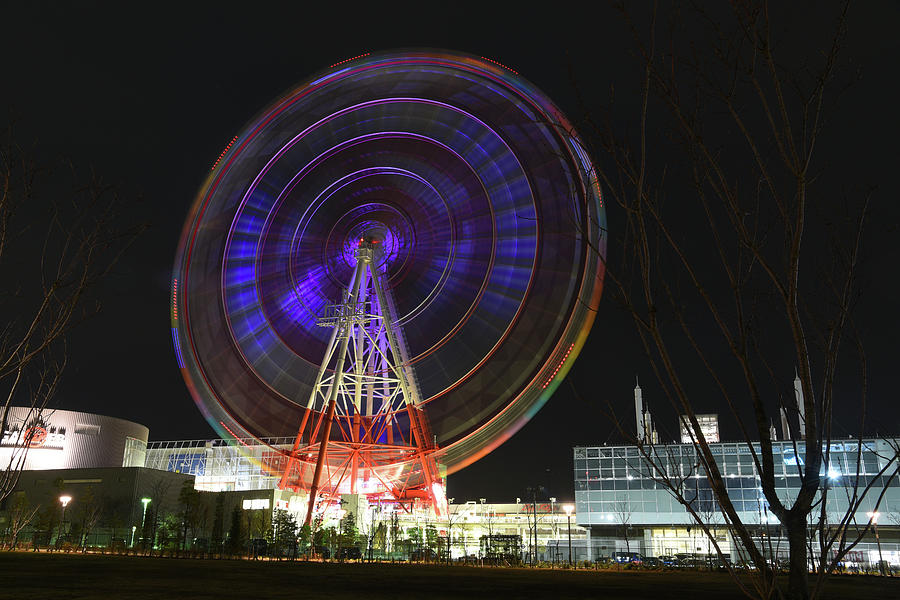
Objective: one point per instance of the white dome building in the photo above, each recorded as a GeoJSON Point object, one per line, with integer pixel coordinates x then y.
{"type": "Point", "coordinates": [65, 439]}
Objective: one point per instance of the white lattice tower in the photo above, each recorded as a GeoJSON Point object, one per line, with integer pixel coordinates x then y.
{"type": "Point", "coordinates": [364, 381]}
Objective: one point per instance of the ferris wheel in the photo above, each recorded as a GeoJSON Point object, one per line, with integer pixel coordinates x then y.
{"type": "Point", "coordinates": [394, 265]}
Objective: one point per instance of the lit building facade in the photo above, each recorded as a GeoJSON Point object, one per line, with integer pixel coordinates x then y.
{"type": "Point", "coordinates": [470, 521]}
{"type": "Point", "coordinates": [251, 465]}
{"type": "Point", "coordinates": [625, 510]}
{"type": "Point", "coordinates": [220, 467]}
{"type": "Point", "coordinates": [66, 439]}
{"type": "Point", "coordinates": [709, 425]}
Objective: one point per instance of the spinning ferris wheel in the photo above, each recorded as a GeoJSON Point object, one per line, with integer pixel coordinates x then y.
{"type": "Point", "coordinates": [394, 265]}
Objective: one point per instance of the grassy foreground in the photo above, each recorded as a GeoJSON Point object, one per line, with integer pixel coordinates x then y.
{"type": "Point", "coordinates": [61, 576]}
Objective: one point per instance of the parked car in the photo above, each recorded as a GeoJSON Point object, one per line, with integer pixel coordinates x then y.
{"type": "Point", "coordinates": [651, 562]}
{"type": "Point", "coordinates": [627, 557]}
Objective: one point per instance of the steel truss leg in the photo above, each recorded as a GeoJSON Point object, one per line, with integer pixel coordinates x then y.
{"type": "Point", "coordinates": [345, 322]}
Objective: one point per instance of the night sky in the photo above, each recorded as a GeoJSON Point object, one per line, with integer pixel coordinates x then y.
{"type": "Point", "coordinates": [148, 99]}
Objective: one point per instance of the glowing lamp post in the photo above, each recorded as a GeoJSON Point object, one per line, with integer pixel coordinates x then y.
{"type": "Point", "coordinates": [873, 516]}
{"type": "Point", "coordinates": [568, 508]}
{"type": "Point", "coordinates": [64, 500]}
{"type": "Point", "coordinates": [145, 502]}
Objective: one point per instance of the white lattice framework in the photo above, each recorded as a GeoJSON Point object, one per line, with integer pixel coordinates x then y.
{"type": "Point", "coordinates": [373, 380]}
{"type": "Point", "coordinates": [365, 388]}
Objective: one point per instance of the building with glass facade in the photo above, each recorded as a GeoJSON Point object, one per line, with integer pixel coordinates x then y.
{"type": "Point", "coordinates": [251, 465]}
{"type": "Point", "coordinates": [220, 467]}
{"type": "Point", "coordinates": [625, 509]}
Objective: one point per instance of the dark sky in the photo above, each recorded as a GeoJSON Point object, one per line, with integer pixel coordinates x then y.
{"type": "Point", "coordinates": [149, 98]}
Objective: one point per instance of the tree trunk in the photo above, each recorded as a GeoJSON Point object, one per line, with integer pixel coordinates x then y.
{"type": "Point", "coordinates": [798, 575]}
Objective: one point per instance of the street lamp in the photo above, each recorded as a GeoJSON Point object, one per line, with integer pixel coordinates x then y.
{"type": "Point", "coordinates": [64, 500]}
{"type": "Point", "coordinates": [145, 502]}
{"type": "Point", "coordinates": [568, 508]}
{"type": "Point", "coordinates": [873, 516]}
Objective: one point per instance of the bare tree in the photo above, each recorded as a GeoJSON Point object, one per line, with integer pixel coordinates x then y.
{"type": "Point", "coordinates": [624, 516]}
{"type": "Point", "coordinates": [258, 522]}
{"type": "Point", "coordinates": [487, 516]}
{"type": "Point", "coordinates": [153, 513]}
{"type": "Point", "coordinates": [453, 517]}
{"type": "Point", "coordinates": [395, 532]}
{"type": "Point", "coordinates": [19, 515]}
{"type": "Point", "coordinates": [54, 249]}
{"type": "Point", "coordinates": [88, 510]}
{"type": "Point", "coordinates": [708, 511]}
{"type": "Point", "coordinates": [730, 249]}
{"type": "Point", "coordinates": [194, 513]}
{"type": "Point", "coordinates": [118, 511]}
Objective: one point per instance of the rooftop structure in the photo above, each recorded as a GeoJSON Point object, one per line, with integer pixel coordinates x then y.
{"type": "Point", "coordinates": [709, 425]}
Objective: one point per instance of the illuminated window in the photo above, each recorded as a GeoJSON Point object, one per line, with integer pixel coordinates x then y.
{"type": "Point", "coordinates": [135, 452]}
{"type": "Point", "coordinates": [709, 425]}
{"type": "Point", "coordinates": [256, 504]}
